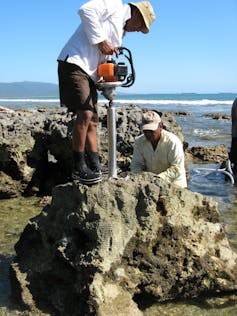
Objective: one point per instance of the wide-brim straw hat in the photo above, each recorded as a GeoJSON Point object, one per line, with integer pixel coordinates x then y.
{"type": "Point", "coordinates": [147, 13]}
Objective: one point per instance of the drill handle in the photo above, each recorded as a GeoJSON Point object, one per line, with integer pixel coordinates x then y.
{"type": "Point", "coordinates": [131, 77]}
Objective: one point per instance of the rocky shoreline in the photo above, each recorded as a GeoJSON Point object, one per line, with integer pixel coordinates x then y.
{"type": "Point", "coordinates": [35, 147]}
{"type": "Point", "coordinates": [116, 247]}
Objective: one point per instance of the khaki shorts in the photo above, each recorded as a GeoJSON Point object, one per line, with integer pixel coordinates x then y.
{"type": "Point", "coordinates": [76, 89]}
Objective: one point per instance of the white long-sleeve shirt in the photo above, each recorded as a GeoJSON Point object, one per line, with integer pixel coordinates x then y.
{"type": "Point", "coordinates": [100, 20]}
{"type": "Point", "coordinates": [167, 160]}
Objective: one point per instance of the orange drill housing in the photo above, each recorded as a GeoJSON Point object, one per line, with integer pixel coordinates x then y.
{"type": "Point", "coordinates": [111, 72]}
{"type": "Point", "coordinates": [107, 72]}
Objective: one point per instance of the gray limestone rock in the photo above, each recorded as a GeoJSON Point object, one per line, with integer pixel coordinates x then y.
{"type": "Point", "coordinates": [217, 154]}
{"type": "Point", "coordinates": [114, 247]}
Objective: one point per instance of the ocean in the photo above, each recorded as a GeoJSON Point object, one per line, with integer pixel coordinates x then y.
{"type": "Point", "coordinates": [163, 100]}
{"type": "Point", "coordinates": [198, 130]}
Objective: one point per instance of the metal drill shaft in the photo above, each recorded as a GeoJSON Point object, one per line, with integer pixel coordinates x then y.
{"type": "Point", "coordinates": [112, 139]}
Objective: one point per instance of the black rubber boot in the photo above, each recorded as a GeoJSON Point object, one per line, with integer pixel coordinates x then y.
{"type": "Point", "coordinates": [93, 161]}
{"type": "Point", "coordinates": [82, 172]}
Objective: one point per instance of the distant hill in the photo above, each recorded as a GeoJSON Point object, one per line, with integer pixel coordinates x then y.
{"type": "Point", "coordinates": [28, 89]}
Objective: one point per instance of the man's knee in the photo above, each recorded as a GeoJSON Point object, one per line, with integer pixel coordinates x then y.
{"type": "Point", "coordinates": [84, 117]}
{"type": "Point", "coordinates": [93, 125]}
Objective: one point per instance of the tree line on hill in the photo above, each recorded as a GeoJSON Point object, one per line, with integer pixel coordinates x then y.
{"type": "Point", "coordinates": [28, 89]}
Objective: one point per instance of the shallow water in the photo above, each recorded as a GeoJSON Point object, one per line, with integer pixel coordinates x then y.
{"type": "Point", "coordinates": [205, 131]}
{"type": "Point", "coordinates": [222, 306]}
{"type": "Point", "coordinates": [216, 186]}
{"type": "Point", "coordinates": [14, 215]}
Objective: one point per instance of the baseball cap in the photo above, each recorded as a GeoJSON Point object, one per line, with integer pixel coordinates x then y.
{"type": "Point", "coordinates": [147, 13]}
{"type": "Point", "coordinates": [150, 121]}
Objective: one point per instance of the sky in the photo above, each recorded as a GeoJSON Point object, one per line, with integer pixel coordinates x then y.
{"type": "Point", "coordinates": [191, 46]}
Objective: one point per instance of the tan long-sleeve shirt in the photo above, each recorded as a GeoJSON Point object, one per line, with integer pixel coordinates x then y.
{"type": "Point", "coordinates": [167, 160]}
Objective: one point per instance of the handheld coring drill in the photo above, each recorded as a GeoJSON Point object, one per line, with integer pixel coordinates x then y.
{"type": "Point", "coordinates": [111, 76]}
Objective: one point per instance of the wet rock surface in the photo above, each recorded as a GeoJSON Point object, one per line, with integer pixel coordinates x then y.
{"type": "Point", "coordinates": [214, 154]}
{"type": "Point", "coordinates": [118, 246]}
{"type": "Point", "coordinates": [218, 116]}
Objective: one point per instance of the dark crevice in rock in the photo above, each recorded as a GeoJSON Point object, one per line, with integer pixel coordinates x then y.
{"type": "Point", "coordinates": [143, 299]}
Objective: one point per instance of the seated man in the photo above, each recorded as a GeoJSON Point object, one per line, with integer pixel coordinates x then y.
{"type": "Point", "coordinates": [233, 150]}
{"type": "Point", "coordinates": [159, 151]}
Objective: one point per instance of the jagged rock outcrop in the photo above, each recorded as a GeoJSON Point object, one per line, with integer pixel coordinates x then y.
{"type": "Point", "coordinates": [218, 116]}
{"type": "Point", "coordinates": [214, 154]}
{"type": "Point", "coordinates": [35, 146]}
{"type": "Point", "coordinates": [25, 138]}
{"type": "Point", "coordinates": [109, 248]}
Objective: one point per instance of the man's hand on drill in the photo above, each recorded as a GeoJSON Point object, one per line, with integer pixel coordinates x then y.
{"type": "Point", "coordinates": [107, 48]}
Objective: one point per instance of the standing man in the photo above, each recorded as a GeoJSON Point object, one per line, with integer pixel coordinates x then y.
{"type": "Point", "coordinates": [233, 149]}
{"type": "Point", "coordinates": [159, 151]}
{"type": "Point", "coordinates": [103, 24]}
